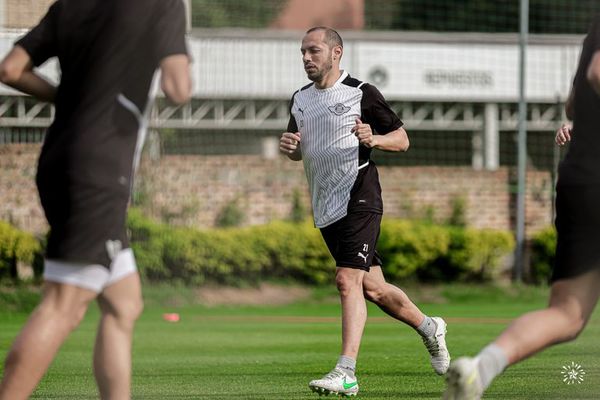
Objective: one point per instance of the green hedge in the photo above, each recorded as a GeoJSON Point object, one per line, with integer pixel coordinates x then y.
{"type": "Point", "coordinates": [543, 250]}
{"type": "Point", "coordinates": [442, 253]}
{"type": "Point", "coordinates": [16, 246]}
{"type": "Point", "coordinates": [229, 255]}
{"type": "Point", "coordinates": [296, 251]}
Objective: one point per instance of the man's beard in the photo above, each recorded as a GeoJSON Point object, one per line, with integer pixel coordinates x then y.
{"type": "Point", "coordinates": [319, 74]}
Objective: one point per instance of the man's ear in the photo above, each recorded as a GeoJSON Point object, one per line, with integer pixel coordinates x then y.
{"type": "Point", "coordinates": [337, 52]}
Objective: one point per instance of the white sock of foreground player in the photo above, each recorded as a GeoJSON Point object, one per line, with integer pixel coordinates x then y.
{"type": "Point", "coordinates": [491, 361]}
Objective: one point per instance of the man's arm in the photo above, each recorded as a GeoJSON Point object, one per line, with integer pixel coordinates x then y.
{"type": "Point", "coordinates": [289, 144]}
{"type": "Point", "coordinates": [570, 104]}
{"type": "Point", "coordinates": [563, 134]}
{"type": "Point", "coordinates": [381, 118]}
{"type": "Point", "coordinates": [396, 140]}
{"type": "Point", "coordinates": [16, 71]}
{"type": "Point", "coordinates": [593, 72]}
{"type": "Point", "coordinates": [175, 78]}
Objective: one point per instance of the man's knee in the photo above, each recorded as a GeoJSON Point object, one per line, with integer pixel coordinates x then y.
{"type": "Point", "coordinates": [126, 311]}
{"type": "Point", "coordinates": [572, 323]}
{"type": "Point", "coordinates": [67, 312]}
{"type": "Point", "coordinates": [575, 327]}
{"type": "Point", "coordinates": [348, 280]}
{"type": "Point", "coordinates": [134, 309]}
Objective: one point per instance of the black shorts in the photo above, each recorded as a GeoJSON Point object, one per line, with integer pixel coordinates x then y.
{"type": "Point", "coordinates": [87, 222]}
{"type": "Point", "coordinates": [352, 240]}
{"type": "Point", "coordinates": [578, 229]}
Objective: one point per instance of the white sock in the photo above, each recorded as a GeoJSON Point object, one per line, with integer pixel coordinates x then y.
{"type": "Point", "coordinates": [427, 327]}
{"type": "Point", "coordinates": [491, 362]}
{"type": "Point", "coordinates": [348, 365]}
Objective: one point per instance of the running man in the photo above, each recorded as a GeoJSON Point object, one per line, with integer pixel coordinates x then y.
{"type": "Point", "coordinates": [108, 52]}
{"type": "Point", "coordinates": [335, 123]}
{"type": "Point", "coordinates": [576, 276]}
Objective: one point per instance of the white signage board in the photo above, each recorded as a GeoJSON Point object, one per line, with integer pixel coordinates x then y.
{"type": "Point", "coordinates": [237, 67]}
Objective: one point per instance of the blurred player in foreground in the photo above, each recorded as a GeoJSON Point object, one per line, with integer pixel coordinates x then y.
{"type": "Point", "coordinates": [109, 51]}
{"type": "Point", "coordinates": [576, 276]}
{"type": "Point", "coordinates": [336, 121]}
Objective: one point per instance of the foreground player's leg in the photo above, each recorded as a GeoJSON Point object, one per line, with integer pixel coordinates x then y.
{"type": "Point", "coordinates": [393, 301]}
{"type": "Point", "coordinates": [342, 380]}
{"type": "Point", "coordinates": [60, 311]}
{"type": "Point", "coordinates": [120, 304]}
{"type": "Point", "coordinates": [572, 301]}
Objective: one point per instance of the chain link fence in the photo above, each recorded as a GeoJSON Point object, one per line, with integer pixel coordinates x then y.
{"type": "Point", "coordinates": [222, 150]}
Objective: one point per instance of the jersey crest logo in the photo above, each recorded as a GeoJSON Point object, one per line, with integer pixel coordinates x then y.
{"type": "Point", "coordinates": [339, 109]}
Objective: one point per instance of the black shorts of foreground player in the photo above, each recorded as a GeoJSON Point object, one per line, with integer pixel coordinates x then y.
{"type": "Point", "coordinates": [335, 123]}
{"type": "Point", "coordinates": [109, 51]}
{"type": "Point", "coordinates": [576, 276]}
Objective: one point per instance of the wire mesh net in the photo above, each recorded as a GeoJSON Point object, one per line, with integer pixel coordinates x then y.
{"type": "Point", "coordinates": [448, 68]}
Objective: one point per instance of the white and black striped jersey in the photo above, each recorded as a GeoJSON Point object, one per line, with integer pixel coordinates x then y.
{"type": "Point", "coordinates": [340, 175]}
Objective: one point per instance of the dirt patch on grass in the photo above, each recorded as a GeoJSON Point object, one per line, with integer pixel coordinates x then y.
{"type": "Point", "coordinates": [265, 294]}
{"type": "Point", "coordinates": [332, 320]}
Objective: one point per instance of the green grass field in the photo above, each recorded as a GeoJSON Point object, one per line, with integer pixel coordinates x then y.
{"type": "Point", "coordinates": [271, 352]}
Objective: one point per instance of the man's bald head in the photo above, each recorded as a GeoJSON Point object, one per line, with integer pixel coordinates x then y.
{"type": "Point", "coordinates": [332, 38]}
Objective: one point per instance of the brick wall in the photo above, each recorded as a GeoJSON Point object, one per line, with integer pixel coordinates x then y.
{"type": "Point", "coordinates": [19, 202]}
{"type": "Point", "coordinates": [24, 13]}
{"type": "Point", "coordinates": [192, 190]}
{"type": "Point", "coordinates": [304, 14]}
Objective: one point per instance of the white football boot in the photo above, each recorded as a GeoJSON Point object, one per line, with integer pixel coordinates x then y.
{"type": "Point", "coordinates": [463, 381]}
{"type": "Point", "coordinates": [335, 382]}
{"type": "Point", "coordinates": [436, 345]}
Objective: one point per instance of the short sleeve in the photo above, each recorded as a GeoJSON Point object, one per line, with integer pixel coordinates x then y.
{"type": "Point", "coordinates": [169, 30]}
{"type": "Point", "coordinates": [377, 112]}
{"type": "Point", "coordinates": [292, 125]}
{"type": "Point", "coordinates": [41, 41]}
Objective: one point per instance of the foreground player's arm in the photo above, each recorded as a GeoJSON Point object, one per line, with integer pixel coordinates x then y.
{"type": "Point", "coordinates": [16, 71]}
{"type": "Point", "coordinates": [593, 72]}
{"type": "Point", "coordinates": [396, 140]}
{"type": "Point", "coordinates": [175, 78]}
{"type": "Point", "coordinates": [563, 134]}
{"type": "Point", "coordinates": [570, 104]}
{"type": "Point", "coordinates": [168, 35]}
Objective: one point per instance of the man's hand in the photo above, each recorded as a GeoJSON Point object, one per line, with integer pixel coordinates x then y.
{"type": "Point", "coordinates": [364, 134]}
{"type": "Point", "coordinates": [289, 145]}
{"type": "Point", "coordinates": [563, 134]}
